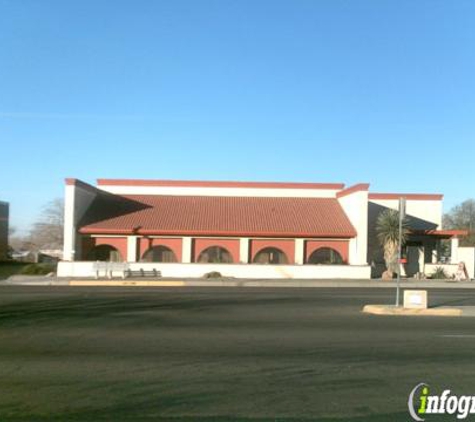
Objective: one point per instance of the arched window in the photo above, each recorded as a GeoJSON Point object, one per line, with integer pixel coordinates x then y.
{"type": "Point", "coordinates": [215, 254]}
{"type": "Point", "coordinates": [104, 253]}
{"type": "Point", "coordinates": [159, 254]}
{"type": "Point", "coordinates": [325, 256]}
{"type": "Point", "coordinates": [270, 256]}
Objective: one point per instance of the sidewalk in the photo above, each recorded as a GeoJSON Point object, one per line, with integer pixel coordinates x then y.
{"type": "Point", "coordinates": [170, 282]}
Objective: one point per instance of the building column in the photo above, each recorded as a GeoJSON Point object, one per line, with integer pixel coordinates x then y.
{"type": "Point", "coordinates": [435, 256]}
{"type": "Point", "coordinates": [244, 250]}
{"type": "Point", "coordinates": [353, 258]}
{"type": "Point", "coordinates": [436, 253]}
{"type": "Point", "coordinates": [69, 246]}
{"type": "Point", "coordinates": [186, 247]}
{"type": "Point", "coordinates": [454, 250]}
{"type": "Point", "coordinates": [299, 257]}
{"type": "Point", "coordinates": [132, 249]}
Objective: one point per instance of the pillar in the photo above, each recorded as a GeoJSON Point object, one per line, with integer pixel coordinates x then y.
{"type": "Point", "coordinates": [186, 246]}
{"type": "Point", "coordinates": [69, 247]}
{"type": "Point", "coordinates": [454, 250]}
{"type": "Point", "coordinates": [299, 257]}
{"type": "Point", "coordinates": [244, 250]}
{"type": "Point", "coordinates": [132, 249]}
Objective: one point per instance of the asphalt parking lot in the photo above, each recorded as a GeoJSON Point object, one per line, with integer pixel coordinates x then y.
{"type": "Point", "coordinates": [247, 354]}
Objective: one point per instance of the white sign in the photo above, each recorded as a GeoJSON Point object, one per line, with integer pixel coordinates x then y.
{"type": "Point", "coordinates": [415, 299]}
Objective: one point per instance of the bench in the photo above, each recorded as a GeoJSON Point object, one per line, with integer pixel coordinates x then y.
{"type": "Point", "coordinates": [109, 268]}
{"type": "Point", "coordinates": [143, 273]}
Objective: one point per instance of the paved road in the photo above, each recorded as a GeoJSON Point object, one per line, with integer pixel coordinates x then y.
{"type": "Point", "coordinates": [139, 354]}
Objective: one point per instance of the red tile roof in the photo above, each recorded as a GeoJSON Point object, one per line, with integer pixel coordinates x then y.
{"type": "Point", "coordinates": [217, 216]}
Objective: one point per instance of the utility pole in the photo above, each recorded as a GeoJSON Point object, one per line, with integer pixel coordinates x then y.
{"type": "Point", "coordinates": [402, 212]}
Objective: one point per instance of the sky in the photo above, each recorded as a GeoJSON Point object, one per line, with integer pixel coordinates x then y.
{"type": "Point", "coordinates": [348, 91]}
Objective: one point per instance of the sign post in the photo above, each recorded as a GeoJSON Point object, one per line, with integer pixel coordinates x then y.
{"type": "Point", "coordinates": [402, 213]}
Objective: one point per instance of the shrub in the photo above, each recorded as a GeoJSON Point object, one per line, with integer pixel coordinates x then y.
{"type": "Point", "coordinates": [439, 274]}
{"type": "Point", "coordinates": [9, 268]}
{"type": "Point", "coordinates": [213, 274]}
{"type": "Point", "coordinates": [38, 269]}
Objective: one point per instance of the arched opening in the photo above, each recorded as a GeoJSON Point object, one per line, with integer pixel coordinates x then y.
{"type": "Point", "coordinates": [159, 254]}
{"type": "Point", "coordinates": [215, 254]}
{"type": "Point", "coordinates": [270, 256]}
{"type": "Point", "coordinates": [104, 253]}
{"type": "Point", "coordinates": [325, 256]}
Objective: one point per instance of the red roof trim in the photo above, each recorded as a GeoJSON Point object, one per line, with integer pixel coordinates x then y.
{"type": "Point", "coordinates": [70, 181]}
{"type": "Point", "coordinates": [217, 184]}
{"type": "Point", "coordinates": [414, 196]}
{"type": "Point", "coordinates": [444, 233]}
{"type": "Point", "coordinates": [79, 183]}
{"type": "Point", "coordinates": [352, 189]}
{"type": "Point", "coordinates": [87, 230]}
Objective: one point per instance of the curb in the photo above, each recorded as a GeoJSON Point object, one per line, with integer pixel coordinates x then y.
{"type": "Point", "coordinates": [260, 283]}
{"type": "Point", "coordinates": [394, 310]}
{"type": "Point", "coordinates": [125, 283]}
{"type": "Point", "coordinates": [284, 283]}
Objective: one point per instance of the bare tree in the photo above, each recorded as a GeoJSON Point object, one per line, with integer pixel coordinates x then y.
{"type": "Point", "coordinates": [462, 217]}
{"type": "Point", "coordinates": [47, 232]}
{"type": "Point", "coordinates": [18, 243]}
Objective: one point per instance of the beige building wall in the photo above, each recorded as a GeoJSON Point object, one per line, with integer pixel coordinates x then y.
{"type": "Point", "coordinates": [355, 204]}
{"type": "Point", "coordinates": [211, 191]}
{"type": "Point", "coordinates": [425, 210]}
{"type": "Point", "coordinates": [78, 197]}
{"type": "Point", "coordinates": [467, 256]}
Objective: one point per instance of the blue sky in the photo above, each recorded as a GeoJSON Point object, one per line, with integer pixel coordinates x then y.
{"type": "Point", "coordinates": [314, 91]}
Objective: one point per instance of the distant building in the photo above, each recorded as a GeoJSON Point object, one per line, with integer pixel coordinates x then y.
{"type": "Point", "coordinates": [24, 256]}
{"type": "Point", "coordinates": [4, 209]}
{"type": "Point", "coordinates": [246, 229]}
{"type": "Point", "coordinates": [50, 256]}
{"type": "Point", "coordinates": [47, 256]}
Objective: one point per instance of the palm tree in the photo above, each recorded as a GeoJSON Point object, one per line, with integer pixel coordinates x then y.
{"type": "Point", "coordinates": [387, 229]}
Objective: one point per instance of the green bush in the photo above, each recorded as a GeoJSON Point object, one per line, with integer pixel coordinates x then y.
{"type": "Point", "coordinates": [9, 268]}
{"type": "Point", "coordinates": [38, 269]}
{"type": "Point", "coordinates": [213, 274]}
{"type": "Point", "coordinates": [439, 274]}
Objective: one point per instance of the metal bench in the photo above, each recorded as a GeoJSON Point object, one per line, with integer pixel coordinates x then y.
{"type": "Point", "coordinates": [109, 268]}
{"type": "Point", "coordinates": [143, 273]}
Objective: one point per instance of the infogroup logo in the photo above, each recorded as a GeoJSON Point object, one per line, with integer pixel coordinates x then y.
{"type": "Point", "coordinates": [421, 404]}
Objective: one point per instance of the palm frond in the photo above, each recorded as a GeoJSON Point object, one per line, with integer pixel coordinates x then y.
{"type": "Point", "coordinates": [387, 228]}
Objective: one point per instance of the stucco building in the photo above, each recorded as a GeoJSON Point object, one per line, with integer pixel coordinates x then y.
{"type": "Point", "coordinates": [242, 229]}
